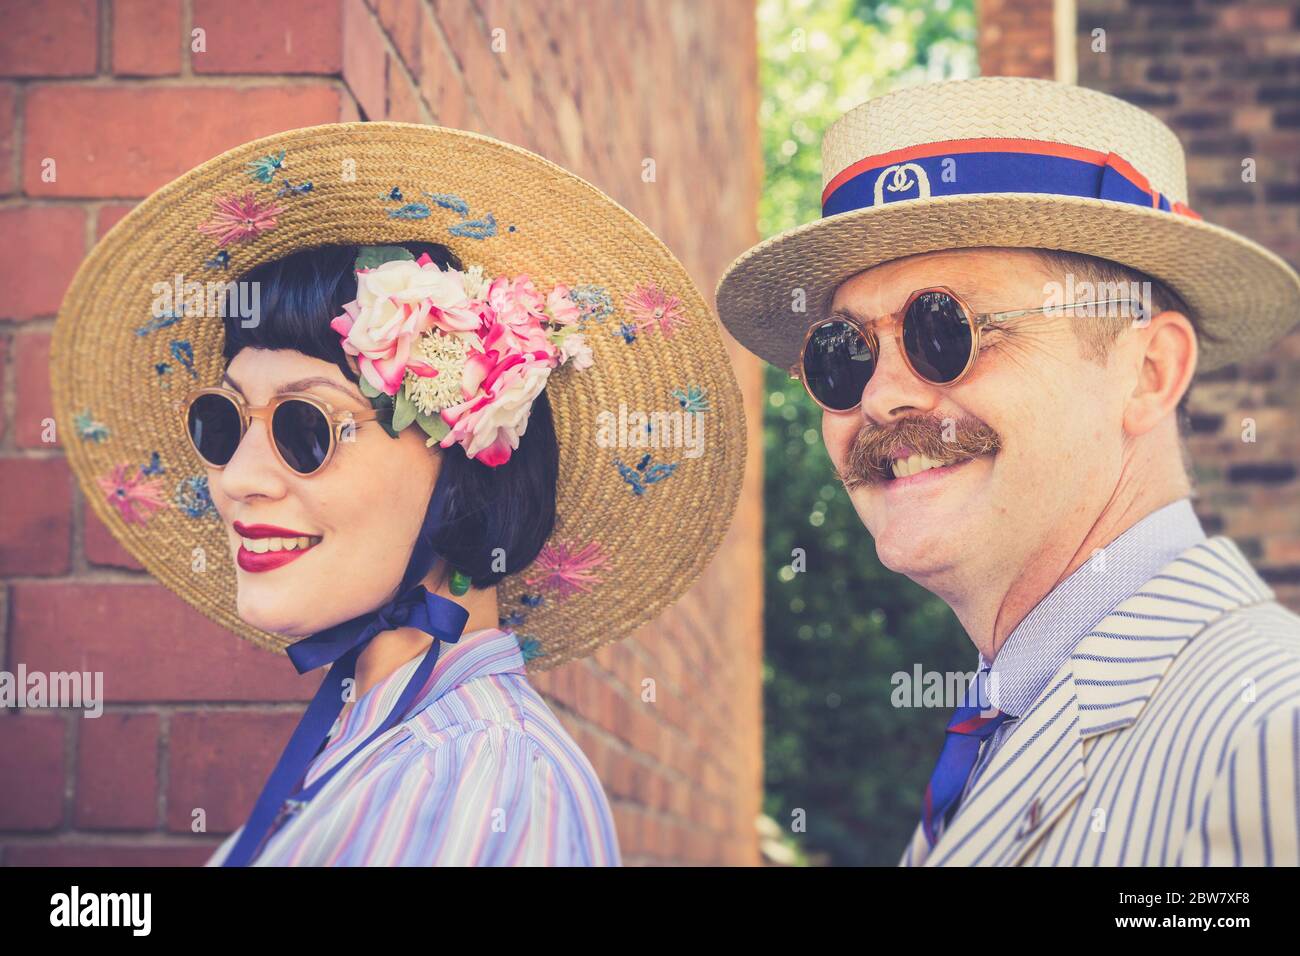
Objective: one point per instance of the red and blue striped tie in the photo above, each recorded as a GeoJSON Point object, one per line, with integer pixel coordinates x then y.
{"type": "Point", "coordinates": [967, 729]}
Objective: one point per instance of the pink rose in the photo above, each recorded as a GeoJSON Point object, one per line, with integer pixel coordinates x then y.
{"type": "Point", "coordinates": [489, 424]}
{"type": "Point", "coordinates": [563, 310]}
{"type": "Point", "coordinates": [518, 308]}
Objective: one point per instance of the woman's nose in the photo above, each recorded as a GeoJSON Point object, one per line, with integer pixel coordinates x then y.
{"type": "Point", "coordinates": [254, 470]}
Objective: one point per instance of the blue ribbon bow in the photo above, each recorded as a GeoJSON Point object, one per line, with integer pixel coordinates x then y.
{"type": "Point", "coordinates": [340, 646]}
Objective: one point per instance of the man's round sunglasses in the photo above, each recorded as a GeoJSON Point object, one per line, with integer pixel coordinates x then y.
{"type": "Point", "coordinates": [937, 333]}
{"type": "Point", "coordinates": [304, 430]}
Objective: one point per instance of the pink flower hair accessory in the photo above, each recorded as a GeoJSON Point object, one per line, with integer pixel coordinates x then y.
{"type": "Point", "coordinates": [459, 354]}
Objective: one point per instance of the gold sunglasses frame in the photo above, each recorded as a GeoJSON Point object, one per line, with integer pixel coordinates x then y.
{"type": "Point", "coordinates": [337, 417]}
{"type": "Point", "coordinates": [978, 322]}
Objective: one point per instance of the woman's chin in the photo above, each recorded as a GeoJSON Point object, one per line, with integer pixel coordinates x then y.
{"type": "Point", "coordinates": [277, 620]}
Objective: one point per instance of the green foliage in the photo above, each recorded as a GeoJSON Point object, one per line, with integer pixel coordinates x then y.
{"type": "Point", "coordinates": [835, 633]}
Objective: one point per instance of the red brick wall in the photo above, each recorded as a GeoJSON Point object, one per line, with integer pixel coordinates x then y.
{"type": "Point", "coordinates": [195, 717]}
{"type": "Point", "coordinates": [1015, 38]}
{"type": "Point", "coordinates": [1226, 78]}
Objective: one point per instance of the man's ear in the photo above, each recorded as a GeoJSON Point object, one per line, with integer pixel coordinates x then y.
{"type": "Point", "coordinates": [1166, 352]}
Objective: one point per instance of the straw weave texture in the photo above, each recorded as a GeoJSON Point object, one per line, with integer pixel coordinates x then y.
{"type": "Point", "coordinates": [1241, 293]}
{"type": "Point", "coordinates": [564, 231]}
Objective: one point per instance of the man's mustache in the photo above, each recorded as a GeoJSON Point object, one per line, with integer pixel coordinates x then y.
{"type": "Point", "coordinates": [945, 440]}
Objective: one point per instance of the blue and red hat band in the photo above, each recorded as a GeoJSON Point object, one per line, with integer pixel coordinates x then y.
{"type": "Point", "coordinates": [974, 166]}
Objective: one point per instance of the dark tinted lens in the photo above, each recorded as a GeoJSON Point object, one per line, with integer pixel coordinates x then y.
{"type": "Point", "coordinates": [837, 363]}
{"type": "Point", "coordinates": [214, 428]}
{"type": "Point", "coordinates": [302, 433]}
{"type": "Point", "coordinates": [937, 337]}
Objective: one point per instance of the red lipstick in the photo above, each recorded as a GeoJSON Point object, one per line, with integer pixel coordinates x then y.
{"type": "Point", "coordinates": [267, 531]}
{"type": "Point", "coordinates": [254, 561]}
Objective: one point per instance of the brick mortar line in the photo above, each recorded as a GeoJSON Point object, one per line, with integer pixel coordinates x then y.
{"type": "Point", "coordinates": [9, 394]}
{"type": "Point", "coordinates": [452, 58]}
{"type": "Point", "coordinates": [94, 574]}
{"type": "Point", "coordinates": [52, 453]}
{"type": "Point", "coordinates": [163, 778]}
{"type": "Point", "coordinates": [395, 56]}
{"type": "Point", "coordinates": [187, 39]}
{"type": "Point", "coordinates": [71, 747]}
{"type": "Point", "coordinates": [20, 116]}
{"type": "Point", "coordinates": [104, 39]}
{"type": "Point", "coordinates": [487, 35]}
{"type": "Point", "coordinates": [80, 563]}
{"type": "Point", "coordinates": [178, 81]}
{"type": "Point", "coordinates": [92, 205]}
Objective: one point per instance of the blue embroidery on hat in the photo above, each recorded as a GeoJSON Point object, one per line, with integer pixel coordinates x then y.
{"type": "Point", "coordinates": [161, 321]}
{"type": "Point", "coordinates": [691, 398]}
{"type": "Point", "coordinates": [155, 466]}
{"type": "Point", "coordinates": [89, 429]}
{"type": "Point", "coordinates": [160, 369]}
{"type": "Point", "coordinates": [194, 498]}
{"type": "Point", "coordinates": [529, 647]}
{"type": "Point", "coordinates": [513, 619]}
{"type": "Point", "coordinates": [289, 189]}
{"type": "Point", "coordinates": [596, 303]}
{"type": "Point", "coordinates": [644, 474]}
{"type": "Point", "coordinates": [448, 201]}
{"type": "Point", "coordinates": [628, 331]}
{"type": "Point", "coordinates": [412, 210]}
{"type": "Point", "coordinates": [183, 352]}
{"type": "Point", "coordinates": [220, 261]}
{"type": "Point", "coordinates": [263, 170]}
{"type": "Point", "coordinates": [484, 228]}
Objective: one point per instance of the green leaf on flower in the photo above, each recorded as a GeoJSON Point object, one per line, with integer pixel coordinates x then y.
{"type": "Point", "coordinates": [381, 402]}
{"type": "Point", "coordinates": [433, 426]}
{"type": "Point", "coordinates": [371, 256]}
{"type": "Point", "coordinates": [404, 411]}
{"type": "Point", "coordinates": [369, 390]}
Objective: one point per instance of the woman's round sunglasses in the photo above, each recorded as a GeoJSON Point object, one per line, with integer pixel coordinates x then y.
{"type": "Point", "coordinates": [304, 430]}
{"type": "Point", "coordinates": [938, 336]}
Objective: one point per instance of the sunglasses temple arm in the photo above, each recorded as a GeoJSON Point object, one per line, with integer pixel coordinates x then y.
{"type": "Point", "coordinates": [1020, 313]}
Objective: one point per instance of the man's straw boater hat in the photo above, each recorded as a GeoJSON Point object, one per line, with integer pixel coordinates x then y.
{"type": "Point", "coordinates": [638, 515]}
{"type": "Point", "coordinates": [1003, 161]}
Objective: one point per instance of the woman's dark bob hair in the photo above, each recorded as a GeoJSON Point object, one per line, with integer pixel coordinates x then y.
{"type": "Point", "coordinates": [510, 507]}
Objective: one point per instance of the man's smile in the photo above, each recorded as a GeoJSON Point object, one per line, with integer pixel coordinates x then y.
{"type": "Point", "coordinates": [919, 471]}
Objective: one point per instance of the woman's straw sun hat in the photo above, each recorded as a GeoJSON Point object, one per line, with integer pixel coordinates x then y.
{"type": "Point", "coordinates": [1007, 161]}
{"type": "Point", "coordinates": [642, 501]}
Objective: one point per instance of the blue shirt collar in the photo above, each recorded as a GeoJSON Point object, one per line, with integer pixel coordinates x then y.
{"type": "Point", "coordinates": [1035, 650]}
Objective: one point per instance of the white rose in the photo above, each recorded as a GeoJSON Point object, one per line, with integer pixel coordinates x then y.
{"type": "Point", "coordinates": [574, 347]}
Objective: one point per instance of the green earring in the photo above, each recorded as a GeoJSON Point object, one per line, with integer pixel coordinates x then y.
{"type": "Point", "coordinates": [459, 582]}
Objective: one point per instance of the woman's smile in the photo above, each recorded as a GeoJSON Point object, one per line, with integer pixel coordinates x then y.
{"type": "Point", "coordinates": [264, 547]}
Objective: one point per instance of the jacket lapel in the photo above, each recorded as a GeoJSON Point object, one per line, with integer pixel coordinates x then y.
{"type": "Point", "coordinates": [1032, 779]}
{"type": "Point", "coordinates": [1040, 771]}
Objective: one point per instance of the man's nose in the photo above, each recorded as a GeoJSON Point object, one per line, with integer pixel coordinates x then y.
{"type": "Point", "coordinates": [894, 391]}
